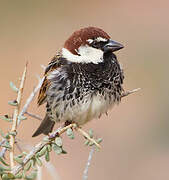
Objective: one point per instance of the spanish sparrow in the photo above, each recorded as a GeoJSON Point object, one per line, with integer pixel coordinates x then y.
{"type": "Point", "coordinates": [82, 81]}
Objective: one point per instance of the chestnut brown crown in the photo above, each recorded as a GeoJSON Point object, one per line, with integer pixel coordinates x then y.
{"type": "Point", "coordinates": [81, 36]}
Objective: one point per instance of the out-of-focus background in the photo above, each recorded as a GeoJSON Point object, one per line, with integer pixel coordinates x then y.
{"type": "Point", "coordinates": [136, 133]}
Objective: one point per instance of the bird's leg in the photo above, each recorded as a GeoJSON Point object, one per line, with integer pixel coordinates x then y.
{"type": "Point", "coordinates": [67, 123]}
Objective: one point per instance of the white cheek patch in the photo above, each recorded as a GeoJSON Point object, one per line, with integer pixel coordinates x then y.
{"type": "Point", "coordinates": [86, 53]}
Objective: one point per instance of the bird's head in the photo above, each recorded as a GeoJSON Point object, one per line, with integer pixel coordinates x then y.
{"type": "Point", "coordinates": [88, 45]}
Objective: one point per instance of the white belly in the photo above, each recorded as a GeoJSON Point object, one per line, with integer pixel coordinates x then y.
{"type": "Point", "coordinates": [92, 108]}
{"type": "Point", "coordinates": [86, 110]}
{"type": "Point", "coordinates": [98, 106]}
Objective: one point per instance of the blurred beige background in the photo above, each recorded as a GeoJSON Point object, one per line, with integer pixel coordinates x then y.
{"type": "Point", "coordinates": [136, 133]}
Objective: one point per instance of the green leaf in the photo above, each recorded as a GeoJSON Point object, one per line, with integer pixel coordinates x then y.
{"type": "Point", "coordinates": [49, 147]}
{"type": "Point", "coordinates": [38, 161]}
{"type": "Point", "coordinates": [32, 175]}
{"type": "Point", "coordinates": [58, 141]}
{"type": "Point", "coordinates": [7, 136]}
{"type": "Point", "coordinates": [11, 176]}
{"type": "Point", "coordinates": [20, 156]}
{"type": "Point", "coordinates": [32, 162]}
{"type": "Point", "coordinates": [19, 175]}
{"type": "Point", "coordinates": [2, 133]}
{"type": "Point", "coordinates": [2, 168]}
{"type": "Point", "coordinates": [13, 87]}
{"type": "Point", "coordinates": [7, 145]}
{"type": "Point", "coordinates": [86, 142]}
{"type": "Point", "coordinates": [2, 160]}
{"type": "Point", "coordinates": [24, 153]}
{"type": "Point", "coordinates": [57, 149]}
{"type": "Point", "coordinates": [42, 151]}
{"type": "Point", "coordinates": [18, 160]}
{"type": "Point", "coordinates": [99, 140]}
{"type": "Point", "coordinates": [28, 166]}
{"type": "Point", "coordinates": [70, 133]}
{"type": "Point", "coordinates": [22, 118]}
{"type": "Point", "coordinates": [23, 174]}
{"type": "Point", "coordinates": [6, 118]}
{"type": "Point", "coordinates": [8, 176]}
{"type": "Point", "coordinates": [13, 103]}
{"type": "Point", "coordinates": [5, 177]}
{"type": "Point", "coordinates": [91, 133]}
{"type": "Point", "coordinates": [91, 143]}
{"type": "Point", "coordinates": [47, 157]}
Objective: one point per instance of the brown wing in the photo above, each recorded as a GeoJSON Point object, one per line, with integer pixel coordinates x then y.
{"type": "Point", "coordinates": [54, 64]}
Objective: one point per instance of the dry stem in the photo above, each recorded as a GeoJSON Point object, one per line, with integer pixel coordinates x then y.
{"type": "Point", "coordinates": [33, 115]}
{"type": "Point", "coordinates": [126, 93]}
{"type": "Point", "coordinates": [85, 172]}
{"type": "Point", "coordinates": [30, 98]}
{"type": "Point", "coordinates": [15, 117]}
{"type": "Point", "coordinates": [88, 137]}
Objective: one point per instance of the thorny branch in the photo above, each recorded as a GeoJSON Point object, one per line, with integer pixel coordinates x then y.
{"type": "Point", "coordinates": [15, 117]}
{"type": "Point", "coordinates": [24, 109]}
{"type": "Point", "coordinates": [3, 151]}
{"type": "Point", "coordinates": [88, 137]}
{"type": "Point", "coordinates": [2, 142]}
{"type": "Point", "coordinates": [39, 146]}
{"type": "Point", "coordinates": [85, 173]}
{"type": "Point", "coordinates": [30, 98]}
{"type": "Point", "coordinates": [48, 165]}
{"type": "Point", "coordinates": [126, 93]}
{"type": "Point", "coordinates": [34, 116]}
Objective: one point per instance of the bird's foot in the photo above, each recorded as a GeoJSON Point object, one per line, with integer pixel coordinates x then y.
{"type": "Point", "coordinates": [67, 123]}
{"type": "Point", "coordinates": [53, 135]}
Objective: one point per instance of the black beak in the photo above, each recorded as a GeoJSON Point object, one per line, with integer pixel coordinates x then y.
{"type": "Point", "coordinates": [112, 46]}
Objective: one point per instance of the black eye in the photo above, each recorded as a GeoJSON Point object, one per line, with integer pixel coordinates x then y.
{"type": "Point", "coordinates": [97, 44]}
{"type": "Point", "coordinates": [94, 44]}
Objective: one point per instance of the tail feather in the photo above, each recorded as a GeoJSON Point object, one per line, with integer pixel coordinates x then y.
{"type": "Point", "coordinates": [45, 127]}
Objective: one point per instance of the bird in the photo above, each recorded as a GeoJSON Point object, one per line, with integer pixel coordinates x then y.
{"type": "Point", "coordinates": [82, 81]}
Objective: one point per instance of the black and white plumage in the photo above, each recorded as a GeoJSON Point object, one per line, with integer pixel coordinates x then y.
{"type": "Point", "coordinates": [82, 81]}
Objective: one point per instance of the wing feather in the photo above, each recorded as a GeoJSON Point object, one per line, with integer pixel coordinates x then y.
{"type": "Point", "coordinates": [53, 65]}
